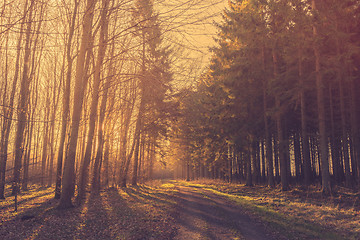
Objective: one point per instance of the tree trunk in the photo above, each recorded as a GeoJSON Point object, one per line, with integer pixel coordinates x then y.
{"type": "Point", "coordinates": [84, 171]}
{"type": "Point", "coordinates": [230, 160]}
{"type": "Point", "coordinates": [263, 166]}
{"type": "Point", "coordinates": [96, 173]}
{"type": "Point", "coordinates": [127, 164]}
{"type": "Point", "coordinates": [106, 163]}
{"type": "Point", "coordinates": [45, 142]}
{"type": "Point", "coordinates": [256, 155]}
{"type": "Point", "coordinates": [248, 166]}
{"type": "Point", "coordinates": [281, 151]}
{"type": "Point", "coordinates": [137, 148]}
{"type": "Point", "coordinates": [280, 134]}
{"type": "Point", "coordinates": [297, 155]}
{"type": "Point", "coordinates": [325, 175]}
{"type": "Point", "coordinates": [8, 113]}
{"type": "Point", "coordinates": [66, 102]}
{"type": "Point", "coordinates": [22, 105]}
{"type": "Point", "coordinates": [124, 156]}
{"type": "Point", "coordinates": [276, 158]}
{"type": "Point", "coordinates": [345, 142]}
{"type": "Point", "coordinates": [304, 133]}
{"type": "Point", "coordinates": [151, 159]}
{"type": "Point", "coordinates": [80, 84]}
{"type": "Point", "coordinates": [269, 152]}
{"type": "Point", "coordinates": [139, 123]}
{"type": "Point", "coordinates": [355, 126]}
{"type": "Point", "coordinates": [335, 155]}
{"type": "Point", "coordinates": [52, 128]}
{"type": "Point", "coordinates": [27, 148]}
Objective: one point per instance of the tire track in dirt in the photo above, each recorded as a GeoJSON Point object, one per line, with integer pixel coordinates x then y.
{"type": "Point", "coordinates": [205, 215]}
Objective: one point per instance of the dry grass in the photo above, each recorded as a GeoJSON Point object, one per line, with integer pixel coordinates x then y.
{"type": "Point", "coordinates": [148, 212]}
{"type": "Point", "coordinates": [337, 213]}
{"type": "Point", "coordinates": [142, 212]}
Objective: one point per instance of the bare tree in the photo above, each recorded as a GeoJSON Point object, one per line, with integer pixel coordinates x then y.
{"type": "Point", "coordinates": [66, 101]}
{"type": "Point", "coordinates": [94, 102]}
{"type": "Point", "coordinates": [8, 110]}
{"type": "Point", "coordinates": [80, 83]}
{"type": "Point", "coordinates": [23, 103]}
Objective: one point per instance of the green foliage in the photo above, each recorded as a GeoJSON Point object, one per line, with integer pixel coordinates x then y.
{"type": "Point", "coordinates": [265, 54]}
{"type": "Point", "coordinates": [155, 72]}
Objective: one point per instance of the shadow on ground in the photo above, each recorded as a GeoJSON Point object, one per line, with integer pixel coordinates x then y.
{"type": "Point", "coordinates": [114, 214]}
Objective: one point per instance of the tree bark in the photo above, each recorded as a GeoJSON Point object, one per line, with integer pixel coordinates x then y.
{"type": "Point", "coordinates": [66, 103]}
{"type": "Point", "coordinates": [125, 126]}
{"type": "Point", "coordinates": [8, 113]}
{"type": "Point", "coordinates": [355, 126]}
{"type": "Point", "coordinates": [297, 155]}
{"type": "Point", "coordinates": [139, 122]}
{"type": "Point", "coordinates": [325, 175]}
{"type": "Point", "coordinates": [22, 105]}
{"type": "Point", "coordinates": [280, 134]}
{"type": "Point", "coordinates": [83, 181]}
{"type": "Point", "coordinates": [80, 84]}
{"type": "Point", "coordinates": [248, 166]}
{"type": "Point", "coordinates": [304, 133]}
{"type": "Point", "coordinates": [345, 142]}
{"type": "Point", "coordinates": [269, 152]}
{"type": "Point", "coordinates": [45, 142]}
{"type": "Point", "coordinates": [24, 185]}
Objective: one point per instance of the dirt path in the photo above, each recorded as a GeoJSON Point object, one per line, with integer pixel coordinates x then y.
{"type": "Point", "coordinates": [205, 215]}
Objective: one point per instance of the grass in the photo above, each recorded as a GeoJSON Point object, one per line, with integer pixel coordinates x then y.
{"type": "Point", "coordinates": [298, 214]}
{"type": "Point", "coordinates": [149, 212]}
{"type": "Point", "coordinates": [143, 212]}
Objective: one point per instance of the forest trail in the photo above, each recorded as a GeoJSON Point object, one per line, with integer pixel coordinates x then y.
{"type": "Point", "coordinates": [164, 210]}
{"type": "Point", "coordinates": [205, 215]}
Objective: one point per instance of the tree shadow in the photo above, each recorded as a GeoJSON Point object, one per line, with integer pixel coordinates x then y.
{"type": "Point", "coordinates": [95, 223]}
{"type": "Point", "coordinates": [131, 223]}
{"type": "Point", "coordinates": [88, 221]}
{"type": "Point", "coordinates": [137, 220]}
{"type": "Point", "coordinates": [213, 217]}
{"type": "Point", "coordinates": [27, 223]}
{"type": "Point", "coordinates": [146, 194]}
{"type": "Point", "coordinates": [114, 214]}
{"type": "Point", "coordinates": [21, 200]}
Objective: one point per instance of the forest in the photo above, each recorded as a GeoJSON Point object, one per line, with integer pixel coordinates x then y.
{"type": "Point", "coordinates": [279, 101]}
{"type": "Point", "coordinates": [87, 90]}
{"type": "Point", "coordinates": [142, 105]}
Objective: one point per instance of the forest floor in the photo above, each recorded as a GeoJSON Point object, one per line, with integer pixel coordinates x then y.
{"type": "Point", "coordinates": [185, 210]}
{"type": "Point", "coordinates": [296, 214]}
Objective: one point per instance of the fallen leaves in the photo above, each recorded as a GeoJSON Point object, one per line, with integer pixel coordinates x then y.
{"type": "Point", "coordinates": [136, 213]}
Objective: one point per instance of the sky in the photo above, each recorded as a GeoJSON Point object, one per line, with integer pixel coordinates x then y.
{"type": "Point", "coordinates": [192, 29]}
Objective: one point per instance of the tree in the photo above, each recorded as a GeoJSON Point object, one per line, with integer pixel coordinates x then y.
{"type": "Point", "coordinates": [8, 112]}
{"type": "Point", "coordinates": [22, 105]}
{"type": "Point", "coordinates": [291, 42]}
{"type": "Point", "coordinates": [66, 102]}
{"type": "Point", "coordinates": [95, 99]}
{"type": "Point", "coordinates": [81, 80]}
{"type": "Point", "coordinates": [321, 111]}
{"type": "Point", "coordinates": [154, 77]}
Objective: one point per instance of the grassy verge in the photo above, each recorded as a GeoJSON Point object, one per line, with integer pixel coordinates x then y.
{"type": "Point", "coordinates": [296, 214]}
